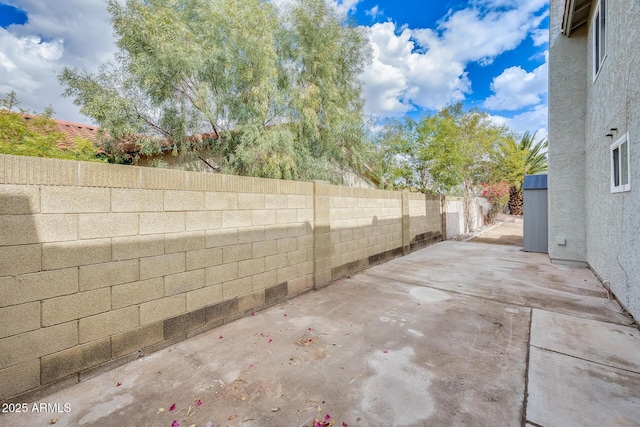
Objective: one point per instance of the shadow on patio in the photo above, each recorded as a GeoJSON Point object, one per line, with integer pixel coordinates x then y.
{"type": "Point", "coordinates": [454, 334]}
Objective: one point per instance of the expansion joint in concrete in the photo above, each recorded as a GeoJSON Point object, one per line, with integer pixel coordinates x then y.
{"type": "Point", "coordinates": [526, 373]}
{"type": "Point", "coordinates": [585, 360]}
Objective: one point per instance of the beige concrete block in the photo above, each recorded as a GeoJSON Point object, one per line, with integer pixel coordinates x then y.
{"type": "Point", "coordinates": [154, 178]}
{"type": "Point", "coordinates": [131, 200]}
{"type": "Point", "coordinates": [252, 234]}
{"type": "Point", "coordinates": [204, 296]}
{"type": "Point", "coordinates": [221, 237]}
{"type": "Point", "coordinates": [264, 280]}
{"type": "Point", "coordinates": [94, 174]}
{"type": "Point", "coordinates": [137, 247]}
{"type": "Point", "coordinates": [204, 258]}
{"type": "Point", "coordinates": [75, 199]}
{"type": "Point", "coordinates": [250, 201]}
{"type": "Point", "coordinates": [305, 215]}
{"type": "Point", "coordinates": [19, 378]}
{"type": "Point", "coordinates": [183, 201]}
{"type": "Point", "coordinates": [298, 284]}
{"type": "Point", "coordinates": [238, 184]}
{"type": "Point", "coordinates": [161, 309]}
{"type": "Point", "coordinates": [236, 287]}
{"type": "Point", "coordinates": [236, 253]}
{"type": "Point", "coordinates": [72, 254]}
{"type": "Point", "coordinates": [107, 324]}
{"type": "Point", "coordinates": [37, 286]}
{"type": "Point", "coordinates": [75, 306]}
{"type": "Point", "coordinates": [247, 302]}
{"type": "Point", "coordinates": [276, 261]}
{"type": "Point", "coordinates": [221, 201]}
{"type": "Point", "coordinates": [20, 259]}
{"type": "Point", "coordinates": [56, 228]}
{"type": "Point", "coordinates": [108, 274]}
{"type": "Point", "coordinates": [162, 222]}
{"type": "Point", "coordinates": [221, 273]}
{"type": "Point", "coordinates": [277, 232]}
{"type": "Point", "coordinates": [262, 249]}
{"type": "Point", "coordinates": [295, 201]}
{"type": "Point", "coordinates": [297, 257]}
{"type": "Point", "coordinates": [137, 339]}
{"type": "Point", "coordinates": [19, 199]}
{"type": "Point", "coordinates": [73, 360]}
{"type": "Point", "coordinates": [162, 265]}
{"type": "Point", "coordinates": [305, 268]}
{"type": "Point", "coordinates": [305, 241]}
{"type": "Point", "coordinates": [182, 242]}
{"type": "Point", "coordinates": [287, 273]}
{"type": "Point", "coordinates": [16, 319]}
{"type": "Point", "coordinates": [263, 217]}
{"type": "Point", "coordinates": [287, 245]}
{"type": "Point", "coordinates": [26, 229]}
{"type": "Point", "coordinates": [93, 226]}
{"type": "Point", "coordinates": [137, 292]}
{"type": "Point", "coordinates": [236, 218]}
{"type": "Point", "coordinates": [251, 267]}
{"type": "Point", "coordinates": [203, 220]}
{"type": "Point", "coordinates": [183, 282]}
{"type": "Point", "coordinates": [286, 216]}
{"type": "Point", "coordinates": [275, 201]}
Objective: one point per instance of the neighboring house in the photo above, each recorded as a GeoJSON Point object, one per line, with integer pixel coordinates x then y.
{"type": "Point", "coordinates": [71, 131]}
{"type": "Point", "coordinates": [594, 141]}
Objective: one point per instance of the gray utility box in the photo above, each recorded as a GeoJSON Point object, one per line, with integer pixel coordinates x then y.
{"type": "Point", "coordinates": [536, 217]}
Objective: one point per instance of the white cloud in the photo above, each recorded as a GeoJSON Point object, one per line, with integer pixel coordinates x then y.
{"type": "Point", "coordinates": [533, 120]}
{"type": "Point", "coordinates": [73, 33]}
{"type": "Point", "coordinates": [426, 66]}
{"type": "Point", "coordinates": [540, 37]}
{"type": "Point", "coordinates": [374, 12]}
{"type": "Point", "coordinates": [516, 88]}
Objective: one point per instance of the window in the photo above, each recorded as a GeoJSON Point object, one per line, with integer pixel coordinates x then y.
{"type": "Point", "coordinates": [620, 165]}
{"type": "Point", "coordinates": [599, 37]}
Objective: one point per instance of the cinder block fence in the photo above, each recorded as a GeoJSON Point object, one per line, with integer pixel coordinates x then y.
{"type": "Point", "coordinates": [100, 264]}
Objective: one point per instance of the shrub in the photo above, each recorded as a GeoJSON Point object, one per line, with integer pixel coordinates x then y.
{"type": "Point", "coordinates": [498, 195]}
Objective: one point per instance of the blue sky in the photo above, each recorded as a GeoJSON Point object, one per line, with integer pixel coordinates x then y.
{"type": "Point", "coordinates": [490, 54]}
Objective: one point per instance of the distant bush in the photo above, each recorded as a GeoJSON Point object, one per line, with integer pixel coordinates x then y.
{"type": "Point", "coordinates": [498, 195]}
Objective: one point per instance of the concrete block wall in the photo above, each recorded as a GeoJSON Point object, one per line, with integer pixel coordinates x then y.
{"type": "Point", "coordinates": [100, 264]}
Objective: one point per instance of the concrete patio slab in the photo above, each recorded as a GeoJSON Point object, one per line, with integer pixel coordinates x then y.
{"type": "Point", "coordinates": [604, 343]}
{"type": "Point", "coordinates": [504, 274]}
{"type": "Point", "coordinates": [570, 392]}
{"type": "Point", "coordinates": [507, 233]}
{"type": "Point", "coordinates": [437, 338]}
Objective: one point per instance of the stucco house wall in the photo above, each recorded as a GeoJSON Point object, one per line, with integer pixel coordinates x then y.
{"type": "Point", "coordinates": [609, 105]}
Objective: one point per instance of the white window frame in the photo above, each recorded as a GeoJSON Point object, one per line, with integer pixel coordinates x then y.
{"type": "Point", "coordinates": [621, 145]}
{"type": "Point", "coordinates": [599, 25]}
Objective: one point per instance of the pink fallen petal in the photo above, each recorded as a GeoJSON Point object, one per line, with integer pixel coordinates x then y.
{"type": "Point", "coordinates": [309, 329]}
{"type": "Point", "coordinates": [252, 313]}
{"type": "Point", "coordinates": [173, 407]}
{"type": "Point", "coordinates": [345, 425]}
{"type": "Point", "coordinates": [118, 384]}
{"type": "Point", "coordinates": [319, 424]}
{"type": "Point", "coordinates": [251, 366]}
{"type": "Point", "coordinates": [386, 351]}
{"type": "Point", "coordinates": [285, 315]}
{"type": "Point", "coordinates": [175, 423]}
{"type": "Point", "coordinates": [327, 417]}
{"type": "Point", "coordinates": [270, 341]}
{"type": "Point", "coordinates": [221, 337]}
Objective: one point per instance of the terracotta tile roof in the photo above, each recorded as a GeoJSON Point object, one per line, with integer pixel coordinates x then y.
{"type": "Point", "coordinates": [71, 131]}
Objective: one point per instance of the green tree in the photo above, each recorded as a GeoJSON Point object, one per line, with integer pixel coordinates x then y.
{"type": "Point", "coordinates": [275, 93]}
{"type": "Point", "coordinates": [516, 158]}
{"type": "Point", "coordinates": [36, 135]}
{"type": "Point", "coordinates": [459, 145]}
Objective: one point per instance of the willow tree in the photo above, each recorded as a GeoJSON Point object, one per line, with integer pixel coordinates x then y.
{"type": "Point", "coordinates": [273, 92]}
